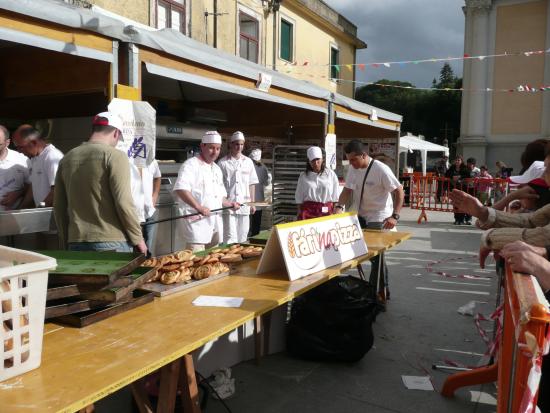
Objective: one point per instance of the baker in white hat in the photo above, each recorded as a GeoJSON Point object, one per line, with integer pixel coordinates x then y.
{"type": "Point", "coordinates": [239, 177]}
{"type": "Point", "coordinates": [317, 189]}
{"type": "Point", "coordinates": [199, 188]}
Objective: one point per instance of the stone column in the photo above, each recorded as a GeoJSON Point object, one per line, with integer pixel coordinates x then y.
{"type": "Point", "coordinates": [475, 117]}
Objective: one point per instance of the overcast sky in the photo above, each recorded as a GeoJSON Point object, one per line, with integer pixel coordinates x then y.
{"type": "Point", "coordinates": [397, 30]}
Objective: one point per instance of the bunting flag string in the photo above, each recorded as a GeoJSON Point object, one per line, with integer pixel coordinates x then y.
{"type": "Point", "coordinates": [519, 88]}
{"type": "Point", "coordinates": [389, 64]}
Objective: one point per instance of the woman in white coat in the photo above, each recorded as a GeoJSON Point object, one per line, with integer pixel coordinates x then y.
{"type": "Point", "coordinates": [317, 189]}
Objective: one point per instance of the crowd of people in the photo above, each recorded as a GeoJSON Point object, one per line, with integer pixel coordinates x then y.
{"type": "Point", "coordinates": [520, 238]}
{"type": "Point", "coordinates": [103, 201]}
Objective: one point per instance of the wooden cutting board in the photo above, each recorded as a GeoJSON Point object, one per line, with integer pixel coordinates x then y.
{"type": "Point", "coordinates": [161, 290]}
{"type": "Point", "coordinates": [91, 270]}
{"type": "Point", "coordinates": [86, 318]}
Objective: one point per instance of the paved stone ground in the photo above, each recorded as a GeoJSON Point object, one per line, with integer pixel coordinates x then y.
{"type": "Point", "coordinates": [421, 327]}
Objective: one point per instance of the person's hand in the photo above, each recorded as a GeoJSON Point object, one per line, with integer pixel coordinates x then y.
{"type": "Point", "coordinates": [468, 204]}
{"type": "Point", "coordinates": [204, 211]}
{"type": "Point", "coordinates": [390, 223]}
{"type": "Point", "coordinates": [525, 192]}
{"type": "Point", "coordinates": [252, 210]}
{"type": "Point", "coordinates": [523, 260]}
{"type": "Point", "coordinates": [236, 206]}
{"type": "Point", "coordinates": [520, 246]}
{"type": "Point", "coordinates": [484, 252]}
{"type": "Point", "coordinates": [141, 247]}
{"type": "Point", "coordinates": [11, 198]}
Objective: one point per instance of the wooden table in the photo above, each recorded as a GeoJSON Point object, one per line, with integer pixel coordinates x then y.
{"type": "Point", "coordinates": [81, 366]}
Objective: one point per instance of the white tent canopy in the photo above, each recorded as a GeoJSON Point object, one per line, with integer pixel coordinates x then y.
{"type": "Point", "coordinates": [411, 143]}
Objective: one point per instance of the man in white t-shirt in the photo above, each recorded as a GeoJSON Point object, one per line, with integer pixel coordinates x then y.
{"type": "Point", "coordinates": [373, 186]}
{"type": "Point", "coordinates": [44, 161]}
{"type": "Point", "coordinates": [199, 188]}
{"type": "Point", "coordinates": [239, 178]}
{"type": "Point", "coordinates": [14, 173]}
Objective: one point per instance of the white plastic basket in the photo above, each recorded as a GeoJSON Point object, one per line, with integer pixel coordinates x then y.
{"type": "Point", "coordinates": [23, 288]}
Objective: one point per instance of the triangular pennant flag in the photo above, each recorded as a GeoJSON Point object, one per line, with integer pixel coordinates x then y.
{"type": "Point", "coordinates": [481, 57]}
{"type": "Point", "coordinates": [375, 65]}
{"type": "Point", "coordinates": [349, 67]}
{"type": "Point", "coordinates": [387, 64]}
{"type": "Point", "coordinates": [361, 66]}
{"type": "Point", "coordinates": [466, 55]}
{"type": "Point", "coordinates": [337, 68]}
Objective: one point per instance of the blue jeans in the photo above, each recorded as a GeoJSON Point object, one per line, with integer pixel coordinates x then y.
{"type": "Point", "coordinates": [149, 232]}
{"type": "Point", "coordinates": [376, 260]}
{"type": "Point", "coordinates": [117, 246]}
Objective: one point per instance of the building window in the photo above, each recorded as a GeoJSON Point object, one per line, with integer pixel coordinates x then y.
{"type": "Point", "coordinates": [248, 37]}
{"type": "Point", "coordinates": [287, 41]}
{"type": "Point", "coordinates": [171, 14]}
{"type": "Point", "coordinates": [334, 63]}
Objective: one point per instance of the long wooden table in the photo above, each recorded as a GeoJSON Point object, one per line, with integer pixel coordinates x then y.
{"type": "Point", "coordinates": [81, 366]}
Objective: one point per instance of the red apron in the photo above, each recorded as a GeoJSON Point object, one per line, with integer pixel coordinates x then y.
{"type": "Point", "coordinates": [310, 209]}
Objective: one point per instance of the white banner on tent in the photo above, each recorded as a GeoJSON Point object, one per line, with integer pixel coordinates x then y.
{"type": "Point", "coordinates": [139, 119]}
{"type": "Point", "coordinates": [312, 245]}
{"type": "Point", "coordinates": [330, 150]}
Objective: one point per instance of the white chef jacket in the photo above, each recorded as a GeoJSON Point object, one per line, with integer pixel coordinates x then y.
{"type": "Point", "coordinates": [205, 182]}
{"type": "Point", "coordinates": [317, 187]}
{"type": "Point", "coordinates": [42, 172]}
{"type": "Point", "coordinates": [238, 175]}
{"type": "Point", "coordinates": [14, 174]}
{"type": "Point", "coordinates": [138, 195]}
{"type": "Point", "coordinates": [142, 188]}
{"type": "Point", "coordinates": [147, 176]}
{"type": "Point", "coordinates": [377, 203]}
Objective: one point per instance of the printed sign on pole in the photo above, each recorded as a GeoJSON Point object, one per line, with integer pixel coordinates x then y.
{"type": "Point", "coordinates": [330, 150]}
{"type": "Point", "coordinates": [264, 82]}
{"type": "Point", "coordinates": [139, 119]}
{"type": "Point", "coordinates": [312, 245]}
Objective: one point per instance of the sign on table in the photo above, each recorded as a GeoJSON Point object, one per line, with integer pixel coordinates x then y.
{"type": "Point", "coordinates": [139, 132]}
{"type": "Point", "coordinates": [312, 245]}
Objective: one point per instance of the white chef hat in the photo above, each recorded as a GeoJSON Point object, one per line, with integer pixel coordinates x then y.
{"type": "Point", "coordinates": [256, 155]}
{"type": "Point", "coordinates": [237, 136]}
{"type": "Point", "coordinates": [211, 137]}
{"type": "Point", "coordinates": [536, 170]}
{"type": "Point", "coordinates": [314, 152]}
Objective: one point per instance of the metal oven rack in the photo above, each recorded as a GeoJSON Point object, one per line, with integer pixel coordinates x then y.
{"type": "Point", "coordinates": [288, 162]}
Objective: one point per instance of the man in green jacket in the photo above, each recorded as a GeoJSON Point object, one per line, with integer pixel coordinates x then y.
{"type": "Point", "coordinates": [93, 204]}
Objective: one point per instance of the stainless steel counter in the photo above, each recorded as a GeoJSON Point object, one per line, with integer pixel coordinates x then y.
{"type": "Point", "coordinates": [26, 221]}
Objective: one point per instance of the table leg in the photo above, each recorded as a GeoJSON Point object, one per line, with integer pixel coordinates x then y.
{"type": "Point", "coordinates": [266, 319]}
{"type": "Point", "coordinates": [188, 386]}
{"type": "Point", "coordinates": [169, 375]}
{"type": "Point", "coordinates": [257, 339]}
{"type": "Point", "coordinates": [140, 396]}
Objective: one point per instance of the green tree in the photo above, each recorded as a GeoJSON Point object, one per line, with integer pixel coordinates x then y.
{"type": "Point", "coordinates": [430, 113]}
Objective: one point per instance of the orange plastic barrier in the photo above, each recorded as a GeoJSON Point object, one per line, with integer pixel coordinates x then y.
{"type": "Point", "coordinates": [523, 342]}
{"type": "Point", "coordinates": [431, 193]}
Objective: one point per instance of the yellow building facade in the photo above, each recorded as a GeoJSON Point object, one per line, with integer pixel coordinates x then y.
{"type": "Point", "coordinates": [496, 126]}
{"type": "Point", "coordinates": [304, 39]}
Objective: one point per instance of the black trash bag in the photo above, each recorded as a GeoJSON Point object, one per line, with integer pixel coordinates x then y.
{"type": "Point", "coordinates": [333, 322]}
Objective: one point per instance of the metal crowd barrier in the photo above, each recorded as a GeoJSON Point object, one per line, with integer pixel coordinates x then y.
{"type": "Point", "coordinates": [431, 193]}
{"type": "Point", "coordinates": [523, 342]}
